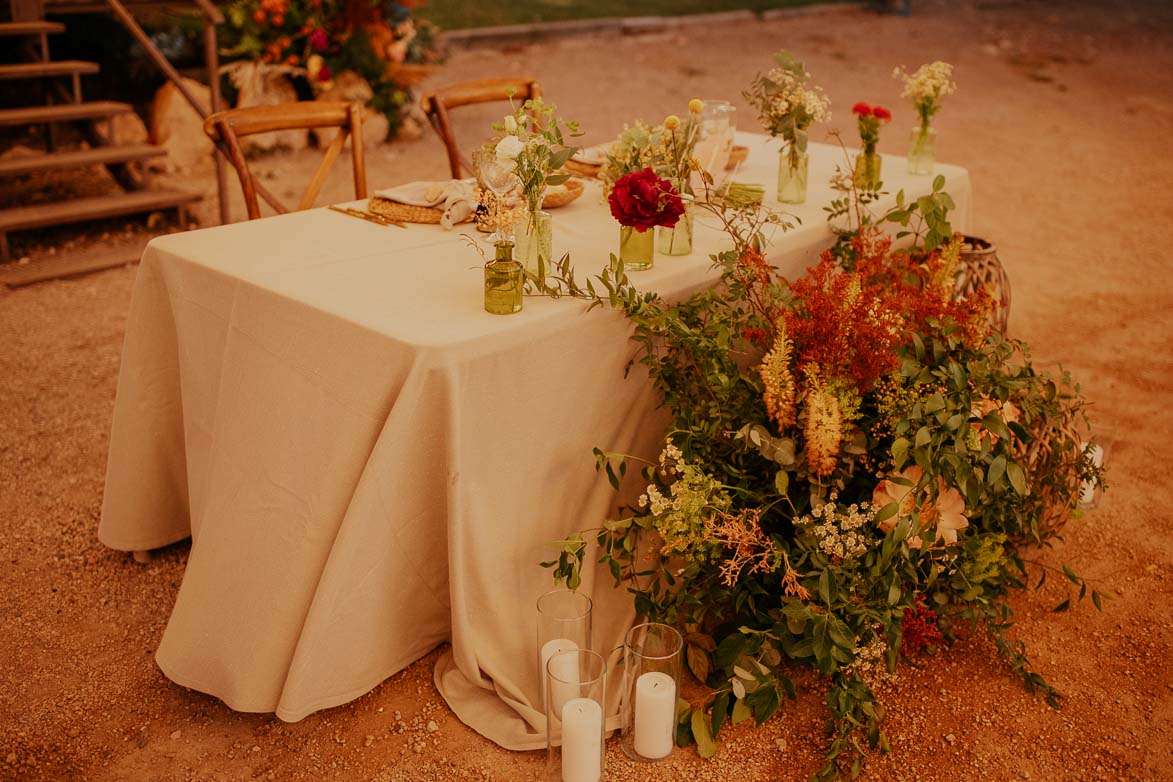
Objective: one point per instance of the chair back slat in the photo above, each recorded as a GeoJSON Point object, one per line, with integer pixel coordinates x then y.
{"type": "Point", "coordinates": [437, 104]}
{"type": "Point", "coordinates": [226, 128]}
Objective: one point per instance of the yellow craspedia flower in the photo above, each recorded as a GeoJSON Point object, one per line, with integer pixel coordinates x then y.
{"type": "Point", "coordinates": [672, 122]}
{"type": "Point", "coordinates": [696, 105]}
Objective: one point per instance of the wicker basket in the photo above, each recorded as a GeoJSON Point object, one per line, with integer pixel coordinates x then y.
{"type": "Point", "coordinates": [1056, 449]}
{"type": "Point", "coordinates": [979, 268]}
{"type": "Point", "coordinates": [569, 190]}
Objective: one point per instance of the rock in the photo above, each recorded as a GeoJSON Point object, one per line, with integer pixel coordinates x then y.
{"type": "Point", "coordinates": [11, 759]}
{"type": "Point", "coordinates": [176, 734]}
{"type": "Point", "coordinates": [180, 129]}
{"type": "Point", "coordinates": [348, 86]}
{"type": "Point", "coordinates": [432, 726]}
{"type": "Point", "coordinates": [263, 85]}
{"type": "Point", "coordinates": [411, 129]}
{"type": "Point", "coordinates": [375, 128]}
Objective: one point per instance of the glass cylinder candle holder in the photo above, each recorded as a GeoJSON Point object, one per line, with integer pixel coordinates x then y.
{"type": "Point", "coordinates": [564, 624]}
{"type": "Point", "coordinates": [577, 679]}
{"type": "Point", "coordinates": [652, 661]}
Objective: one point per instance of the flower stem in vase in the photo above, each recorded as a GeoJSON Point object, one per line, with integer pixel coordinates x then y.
{"type": "Point", "coordinates": [922, 153]}
{"type": "Point", "coordinates": [678, 239]}
{"type": "Point", "coordinates": [867, 169]}
{"type": "Point", "coordinates": [534, 235]}
{"type": "Point", "coordinates": [793, 168]}
{"type": "Point", "coordinates": [636, 248]}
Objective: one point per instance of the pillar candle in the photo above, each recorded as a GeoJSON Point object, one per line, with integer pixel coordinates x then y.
{"type": "Point", "coordinates": [565, 668]}
{"type": "Point", "coordinates": [582, 740]}
{"type": "Point", "coordinates": [655, 714]}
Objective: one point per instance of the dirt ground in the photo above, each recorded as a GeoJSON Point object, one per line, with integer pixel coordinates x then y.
{"type": "Point", "coordinates": [1063, 116]}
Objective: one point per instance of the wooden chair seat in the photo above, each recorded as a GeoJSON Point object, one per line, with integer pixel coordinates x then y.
{"type": "Point", "coordinates": [226, 128]}
{"type": "Point", "coordinates": [437, 104]}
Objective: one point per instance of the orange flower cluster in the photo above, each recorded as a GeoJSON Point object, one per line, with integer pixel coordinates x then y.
{"type": "Point", "coordinates": [742, 533]}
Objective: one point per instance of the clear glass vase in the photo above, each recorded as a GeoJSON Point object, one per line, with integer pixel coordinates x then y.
{"type": "Point", "coordinates": [504, 281]}
{"type": "Point", "coordinates": [677, 240]}
{"type": "Point", "coordinates": [534, 237]}
{"type": "Point", "coordinates": [922, 153]}
{"type": "Point", "coordinates": [793, 167]}
{"type": "Point", "coordinates": [867, 171]}
{"type": "Point", "coordinates": [576, 716]}
{"type": "Point", "coordinates": [636, 248]}
{"type": "Point", "coordinates": [652, 664]}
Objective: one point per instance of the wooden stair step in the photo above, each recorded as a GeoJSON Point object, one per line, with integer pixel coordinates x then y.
{"type": "Point", "coordinates": [72, 263]}
{"type": "Point", "coordinates": [35, 70]}
{"type": "Point", "coordinates": [63, 112]}
{"type": "Point", "coordinates": [95, 208]}
{"type": "Point", "coordinates": [76, 158]}
{"type": "Point", "coordinates": [31, 28]}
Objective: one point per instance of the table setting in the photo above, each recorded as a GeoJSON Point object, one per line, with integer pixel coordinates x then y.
{"type": "Point", "coordinates": [371, 460]}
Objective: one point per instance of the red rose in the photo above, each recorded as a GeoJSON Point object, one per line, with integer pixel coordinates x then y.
{"type": "Point", "coordinates": [882, 114]}
{"type": "Point", "coordinates": [861, 109]}
{"type": "Point", "coordinates": [642, 200]}
{"type": "Point", "coordinates": [319, 40]}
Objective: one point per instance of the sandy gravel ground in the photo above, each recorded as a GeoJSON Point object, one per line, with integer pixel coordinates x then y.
{"type": "Point", "coordinates": [1064, 117]}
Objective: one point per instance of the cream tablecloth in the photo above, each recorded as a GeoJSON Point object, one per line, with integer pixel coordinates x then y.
{"type": "Point", "coordinates": [367, 463]}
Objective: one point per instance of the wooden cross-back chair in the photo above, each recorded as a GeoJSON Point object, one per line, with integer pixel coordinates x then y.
{"type": "Point", "coordinates": [437, 104]}
{"type": "Point", "coordinates": [226, 128]}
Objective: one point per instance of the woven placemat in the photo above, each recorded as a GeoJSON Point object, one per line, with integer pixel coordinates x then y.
{"type": "Point", "coordinates": [737, 155]}
{"type": "Point", "coordinates": [570, 190]}
{"type": "Point", "coordinates": [405, 213]}
{"type": "Point", "coordinates": [585, 170]}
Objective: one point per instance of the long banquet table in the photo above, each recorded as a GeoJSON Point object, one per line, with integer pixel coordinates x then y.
{"type": "Point", "coordinates": [368, 464]}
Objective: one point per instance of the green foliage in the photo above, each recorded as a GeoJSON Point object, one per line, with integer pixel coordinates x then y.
{"type": "Point", "coordinates": [766, 563]}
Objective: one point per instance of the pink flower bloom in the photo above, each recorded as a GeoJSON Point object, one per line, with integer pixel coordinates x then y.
{"type": "Point", "coordinates": [947, 514]}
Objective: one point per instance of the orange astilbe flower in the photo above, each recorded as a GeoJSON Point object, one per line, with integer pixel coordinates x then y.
{"type": "Point", "coordinates": [742, 534]}
{"type": "Point", "coordinates": [779, 382]}
{"type": "Point", "coordinates": [823, 429]}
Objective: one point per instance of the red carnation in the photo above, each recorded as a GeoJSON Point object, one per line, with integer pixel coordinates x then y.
{"type": "Point", "coordinates": [862, 109]}
{"type": "Point", "coordinates": [881, 113]}
{"type": "Point", "coordinates": [324, 73]}
{"type": "Point", "coordinates": [319, 40]}
{"type": "Point", "coordinates": [642, 200]}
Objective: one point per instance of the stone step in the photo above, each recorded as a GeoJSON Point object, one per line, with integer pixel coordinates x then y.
{"type": "Point", "coordinates": [63, 112]}
{"type": "Point", "coordinates": [36, 70]}
{"type": "Point", "coordinates": [77, 158]}
{"type": "Point", "coordinates": [95, 208]}
{"type": "Point", "coordinates": [73, 263]}
{"type": "Point", "coordinates": [31, 28]}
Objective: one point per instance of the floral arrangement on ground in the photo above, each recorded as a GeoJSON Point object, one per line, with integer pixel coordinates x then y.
{"type": "Point", "coordinates": [856, 471]}
{"type": "Point", "coordinates": [317, 40]}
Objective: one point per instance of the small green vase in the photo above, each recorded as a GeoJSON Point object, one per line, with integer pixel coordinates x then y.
{"type": "Point", "coordinates": [636, 248]}
{"type": "Point", "coordinates": [504, 282]}
{"type": "Point", "coordinates": [867, 171]}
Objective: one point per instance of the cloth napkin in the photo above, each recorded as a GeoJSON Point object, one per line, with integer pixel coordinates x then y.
{"type": "Point", "coordinates": [454, 196]}
{"type": "Point", "coordinates": [592, 156]}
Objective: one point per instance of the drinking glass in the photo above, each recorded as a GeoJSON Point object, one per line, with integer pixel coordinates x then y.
{"type": "Point", "coordinates": [715, 142]}
{"type": "Point", "coordinates": [500, 177]}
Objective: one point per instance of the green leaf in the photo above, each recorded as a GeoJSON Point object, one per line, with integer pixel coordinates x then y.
{"type": "Point", "coordinates": [741, 711]}
{"type": "Point", "coordinates": [1063, 606]}
{"type": "Point", "coordinates": [782, 482]}
{"type": "Point", "coordinates": [993, 422]}
{"type": "Point", "coordinates": [997, 470]}
{"type": "Point", "coordinates": [702, 731]}
{"type": "Point", "coordinates": [698, 662]}
{"type": "Point", "coordinates": [1017, 478]}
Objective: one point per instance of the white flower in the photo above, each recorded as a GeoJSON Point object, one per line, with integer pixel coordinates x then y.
{"type": "Point", "coordinates": [509, 148]}
{"type": "Point", "coordinates": [510, 125]}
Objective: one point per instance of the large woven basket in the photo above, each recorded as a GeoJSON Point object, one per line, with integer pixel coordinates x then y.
{"type": "Point", "coordinates": [979, 268]}
{"type": "Point", "coordinates": [1055, 450]}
